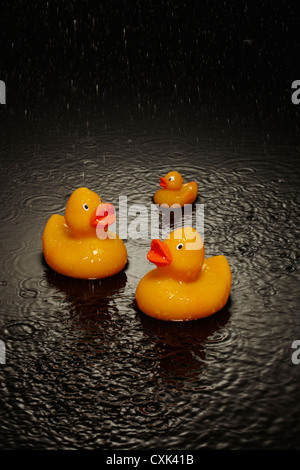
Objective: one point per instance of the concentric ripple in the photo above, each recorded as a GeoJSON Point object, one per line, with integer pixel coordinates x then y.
{"type": "Point", "coordinates": [85, 368]}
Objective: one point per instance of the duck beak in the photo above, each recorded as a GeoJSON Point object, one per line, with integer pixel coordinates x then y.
{"type": "Point", "coordinates": [163, 182]}
{"type": "Point", "coordinates": [104, 216]}
{"type": "Point", "coordinates": [160, 253]}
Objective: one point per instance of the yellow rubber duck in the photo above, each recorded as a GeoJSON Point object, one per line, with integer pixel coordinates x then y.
{"type": "Point", "coordinates": [79, 244]}
{"type": "Point", "coordinates": [183, 286]}
{"type": "Point", "coordinates": [175, 191]}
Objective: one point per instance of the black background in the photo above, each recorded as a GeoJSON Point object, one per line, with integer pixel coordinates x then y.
{"type": "Point", "coordinates": [122, 66]}
{"type": "Point", "coordinates": [220, 56]}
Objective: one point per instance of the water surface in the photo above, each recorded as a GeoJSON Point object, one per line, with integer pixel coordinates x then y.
{"type": "Point", "coordinates": [84, 367]}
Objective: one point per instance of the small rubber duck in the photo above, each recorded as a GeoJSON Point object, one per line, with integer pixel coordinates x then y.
{"type": "Point", "coordinates": [175, 191]}
{"type": "Point", "coordinates": [183, 286]}
{"type": "Point", "coordinates": [79, 244]}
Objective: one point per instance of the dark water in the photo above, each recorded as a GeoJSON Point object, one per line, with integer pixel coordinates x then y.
{"type": "Point", "coordinates": [112, 97]}
{"type": "Point", "coordinates": [84, 368]}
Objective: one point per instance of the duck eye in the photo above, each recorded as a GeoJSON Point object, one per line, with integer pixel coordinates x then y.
{"type": "Point", "coordinates": [86, 207]}
{"type": "Point", "coordinates": [178, 247]}
{"type": "Point", "coordinates": [171, 178]}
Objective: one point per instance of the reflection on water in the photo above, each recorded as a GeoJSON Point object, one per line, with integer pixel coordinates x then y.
{"type": "Point", "coordinates": [84, 367]}
{"type": "Point", "coordinates": [87, 298]}
{"type": "Point", "coordinates": [180, 348]}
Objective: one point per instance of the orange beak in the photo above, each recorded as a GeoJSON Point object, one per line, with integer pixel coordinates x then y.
{"type": "Point", "coordinates": [160, 253]}
{"type": "Point", "coordinates": [163, 182]}
{"type": "Point", "coordinates": [104, 215]}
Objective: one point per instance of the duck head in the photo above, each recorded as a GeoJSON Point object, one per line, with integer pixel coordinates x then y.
{"type": "Point", "coordinates": [180, 256]}
{"type": "Point", "coordinates": [172, 180]}
{"type": "Point", "coordinates": [85, 211]}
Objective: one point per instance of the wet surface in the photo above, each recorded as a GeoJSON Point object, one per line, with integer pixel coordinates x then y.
{"type": "Point", "coordinates": [84, 368]}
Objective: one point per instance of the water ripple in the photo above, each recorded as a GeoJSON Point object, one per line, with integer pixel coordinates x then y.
{"type": "Point", "coordinates": [85, 368]}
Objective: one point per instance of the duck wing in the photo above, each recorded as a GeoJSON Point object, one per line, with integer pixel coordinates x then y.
{"type": "Point", "coordinates": [189, 192]}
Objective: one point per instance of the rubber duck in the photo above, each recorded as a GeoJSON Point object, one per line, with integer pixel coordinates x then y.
{"type": "Point", "coordinates": [183, 286]}
{"type": "Point", "coordinates": [175, 191]}
{"type": "Point", "coordinates": [79, 244]}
